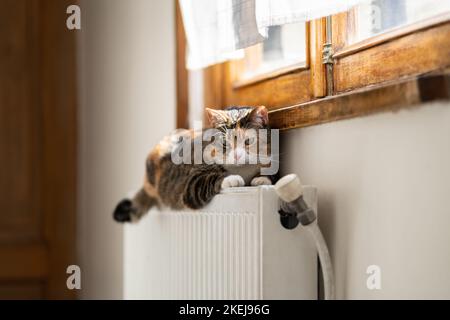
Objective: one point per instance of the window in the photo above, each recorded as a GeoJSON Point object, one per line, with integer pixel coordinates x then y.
{"type": "Point", "coordinates": [379, 16]}
{"type": "Point", "coordinates": [285, 70]}
{"type": "Point", "coordinates": [399, 46]}
{"type": "Point", "coordinates": [285, 48]}
{"type": "Point", "coordinates": [378, 55]}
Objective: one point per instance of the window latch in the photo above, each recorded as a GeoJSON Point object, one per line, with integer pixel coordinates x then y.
{"type": "Point", "coordinates": [327, 54]}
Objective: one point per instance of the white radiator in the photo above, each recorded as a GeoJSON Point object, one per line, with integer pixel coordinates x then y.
{"type": "Point", "coordinates": [235, 248]}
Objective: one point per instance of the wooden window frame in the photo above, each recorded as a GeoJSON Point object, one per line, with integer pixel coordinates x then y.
{"type": "Point", "coordinates": [276, 90]}
{"type": "Point", "coordinates": [386, 72]}
{"type": "Point", "coordinates": [182, 85]}
{"type": "Point", "coordinates": [407, 51]}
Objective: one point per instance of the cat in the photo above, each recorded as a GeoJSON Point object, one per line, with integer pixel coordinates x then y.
{"type": "Point", "coordinates": [193, 185]}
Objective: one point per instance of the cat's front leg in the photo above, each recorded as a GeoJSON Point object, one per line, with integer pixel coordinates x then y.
{"type": "Point", "coordinates": [261, 181]}
{"type": "Point", "coordinates": [233, 181]}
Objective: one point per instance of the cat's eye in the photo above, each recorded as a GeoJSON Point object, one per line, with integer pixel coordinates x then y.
{"type": "Point", "coordinates": [250, 141]}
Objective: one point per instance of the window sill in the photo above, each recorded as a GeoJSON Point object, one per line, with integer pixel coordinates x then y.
{"type": "Point", "coordinates": [390, 96]}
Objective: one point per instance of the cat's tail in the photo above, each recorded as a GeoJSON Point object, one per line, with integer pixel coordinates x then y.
{"type": "Point", "coordinates": [131, 210]}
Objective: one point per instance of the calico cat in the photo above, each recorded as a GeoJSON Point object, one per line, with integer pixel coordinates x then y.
{"type": "Point", "coordinates": [193, 185]}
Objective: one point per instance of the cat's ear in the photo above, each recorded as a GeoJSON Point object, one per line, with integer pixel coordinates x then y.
{"type": "Point", "coordinates": [259, 116]}
{"type": "Point", "coordinates": [216, 117]}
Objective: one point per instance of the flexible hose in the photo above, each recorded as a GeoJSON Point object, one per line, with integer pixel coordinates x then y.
{"type": "Point", "coordinates": [325, 260]}
{"type": "Point", "coordinates": [290, 190]}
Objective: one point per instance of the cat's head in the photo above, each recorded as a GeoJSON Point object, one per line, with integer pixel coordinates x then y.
{"type": "Point", "coordinates": [239, 132]}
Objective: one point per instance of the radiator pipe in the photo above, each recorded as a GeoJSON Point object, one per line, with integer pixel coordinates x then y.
{"type": "Point", "coordinates": [294, 210]}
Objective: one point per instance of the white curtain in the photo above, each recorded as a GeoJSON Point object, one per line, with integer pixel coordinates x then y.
{"type": "Point", "coordinates": [216, 30]}
{"type": "Point", "coordinates": [278, 12]}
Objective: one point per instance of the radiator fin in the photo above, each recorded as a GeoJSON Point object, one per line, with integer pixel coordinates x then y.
{"type": "Point", "coordinates": [233, 249]}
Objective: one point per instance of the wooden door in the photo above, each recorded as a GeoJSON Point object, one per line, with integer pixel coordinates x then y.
{"type": "Point", "coordinates": [37, 149]}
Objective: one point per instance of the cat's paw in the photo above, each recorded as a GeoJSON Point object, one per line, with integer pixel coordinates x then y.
{"type": "Point", "coordinates": [261, 181]}
{"type": "Point", "coordinates": [123, 211]}
{"type": "Point", "coordinates": [233, 181]}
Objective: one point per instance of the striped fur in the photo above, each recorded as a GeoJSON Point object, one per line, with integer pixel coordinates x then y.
{"type": "Point", "coordinates": [181, 186]}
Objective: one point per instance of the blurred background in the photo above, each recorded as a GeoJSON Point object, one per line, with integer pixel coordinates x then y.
{"type": "Point", "coordinates": [80, 110]}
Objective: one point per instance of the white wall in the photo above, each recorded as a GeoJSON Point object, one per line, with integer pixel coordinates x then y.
{"type": "Point", "coordinates": [127, 103]}
{"type": "Point", "coordinates": [383, 198]}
